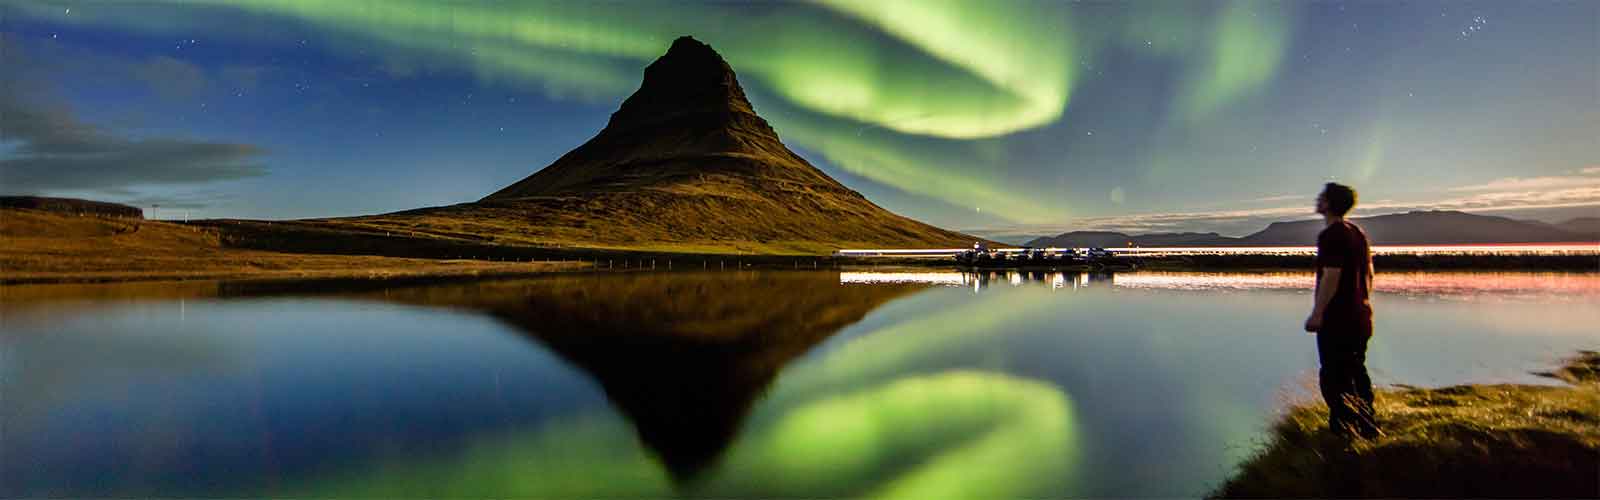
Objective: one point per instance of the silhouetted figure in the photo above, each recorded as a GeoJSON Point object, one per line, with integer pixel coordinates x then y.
{"type": "Point", "coordinates": [1342, 315]}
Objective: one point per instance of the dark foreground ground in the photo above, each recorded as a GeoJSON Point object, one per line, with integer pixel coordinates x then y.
{"type": "Point", "coordinates": [1468, 441]}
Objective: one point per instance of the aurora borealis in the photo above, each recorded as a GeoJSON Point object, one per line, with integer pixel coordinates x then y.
{"type": "Point", "coordinates": [999, 115]}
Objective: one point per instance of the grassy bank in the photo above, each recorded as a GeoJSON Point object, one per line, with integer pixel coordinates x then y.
{"type": "Point", "coordinates": [1464, 441]}
{"type": "Point", "coordinates": [45, 247]}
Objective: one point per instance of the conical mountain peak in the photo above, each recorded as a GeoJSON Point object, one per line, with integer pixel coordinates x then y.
{"type": "Point", "coordinates": [688, 121]}
{"type": "Point", "coordinates": [691, 76]}
{"type": "Point", "coordinates": [685, 162]}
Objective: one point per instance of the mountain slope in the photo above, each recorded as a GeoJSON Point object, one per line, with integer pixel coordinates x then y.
{"type": "Point", "coordinates": [685, 164]}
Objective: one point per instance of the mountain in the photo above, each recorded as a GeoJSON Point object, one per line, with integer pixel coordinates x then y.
{"type": "Point", "coordinates": [1588, 227]}
{"type": "Point", "coordinates": [1082, 239]}
{"type": "Point", "coordinates": [1109, 239]}
{"type": "Point", "coordinates": [685, 164]}
{"type": "Point", "coordinates": [1434, 227]}
{"type": "Point", "coordinates": [72, 206]}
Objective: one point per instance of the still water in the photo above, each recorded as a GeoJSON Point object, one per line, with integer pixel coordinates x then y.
{"type": "Point", "coordinates": [737, 384]}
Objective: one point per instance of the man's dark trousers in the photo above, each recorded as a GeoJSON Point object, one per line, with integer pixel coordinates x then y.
{"type": "Point", "coordinates": [1345, 385]}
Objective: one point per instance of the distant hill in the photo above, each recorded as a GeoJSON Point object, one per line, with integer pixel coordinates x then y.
{"type": "Point", "coordinates": [1419, 228]}
{"type": "Point", "coordinates": [684, 165]}
{"type": "Point", "coordinates": [1589, 227]}
{"type": "Point", "coordinates": [1082, 239]}
{"type": "Point", "coordinates": [1109, 239]}
{"type": "Point", "coordinates": [1411, 228]}
{"type": "Point", "coordinates": [72, 206]}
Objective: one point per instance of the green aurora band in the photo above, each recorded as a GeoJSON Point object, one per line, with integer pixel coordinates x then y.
{"type": "Point", "coordinates": [909, 94]}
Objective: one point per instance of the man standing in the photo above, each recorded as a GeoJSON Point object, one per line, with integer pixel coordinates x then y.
{"type": "Point", "coordinates": [1342, 316]}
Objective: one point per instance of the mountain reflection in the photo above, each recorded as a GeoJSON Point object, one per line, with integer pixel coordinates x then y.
{"type": "Point", "coordinates": [894, 412]}
{"type": "Point", "coordinates": [682, 356]}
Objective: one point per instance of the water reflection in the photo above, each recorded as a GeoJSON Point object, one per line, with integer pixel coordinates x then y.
{"type": "Point", "coordinates": [981, 281]}
{"type": "Point", "coordinates": [682, 356]}
{"type": "Point", "coordinates": [978, 281]}
{"type": "Point", "coordinates": [1542, 286]}
{"type": "Point", "coordinates": [738, 384]}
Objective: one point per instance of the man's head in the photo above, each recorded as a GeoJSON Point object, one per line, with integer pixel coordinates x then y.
{"type": "Point", "coordinates": [1336, 199]}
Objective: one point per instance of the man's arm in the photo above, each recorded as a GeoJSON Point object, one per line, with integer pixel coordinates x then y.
{"type": "Point", "coordinates": [1325, 291]}
{"type": "Point", "coordinates": [1369, 275]}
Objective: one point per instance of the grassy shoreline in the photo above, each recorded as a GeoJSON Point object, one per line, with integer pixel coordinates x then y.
{"type": "Point", "coordinates": [376, 272]}
{"type": "Point", "coordinates": [47, 247]}
{"type": "Point", "coordinates": [1502, 440]}
{"type": "Point", "coordinates": [234, 264]}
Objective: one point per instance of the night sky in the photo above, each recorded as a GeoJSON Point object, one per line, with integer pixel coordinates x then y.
{"type": "Point", "coordinates": [994, 116]}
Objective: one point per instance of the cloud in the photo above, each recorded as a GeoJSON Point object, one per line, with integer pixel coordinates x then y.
{"type": "Point", "coordinates": [1281, 197]}
{"type": "Point", "coordinates": [1589, 177]}
{"type": "Point", "coordinates": [47, 148]}
{"type": "Point", "coordinates": [1514, 200]}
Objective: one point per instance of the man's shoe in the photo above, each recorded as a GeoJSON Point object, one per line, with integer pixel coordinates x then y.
{"type": "Point", "coordinates": [1371, 432]}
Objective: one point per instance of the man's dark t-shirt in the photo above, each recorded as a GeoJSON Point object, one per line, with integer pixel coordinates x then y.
{"type": "Point", "coordinates": [1344, 245]}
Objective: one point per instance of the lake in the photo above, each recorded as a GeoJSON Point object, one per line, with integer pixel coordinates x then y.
{"type": "Point", "coordinates": [732, 384]}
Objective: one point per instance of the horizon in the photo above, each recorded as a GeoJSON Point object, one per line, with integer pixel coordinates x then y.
{"type": "Point", "coordinates": [1191, 117]}
{"type": "Point", "coordinates": [1135, 231]}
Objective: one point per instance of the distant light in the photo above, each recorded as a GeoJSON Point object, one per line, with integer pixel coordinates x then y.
{"type": "Point", "coordinates": [932, 278]}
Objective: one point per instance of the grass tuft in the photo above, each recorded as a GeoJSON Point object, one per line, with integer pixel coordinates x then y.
{"type": "Point", "coordinates": [1463, 441]}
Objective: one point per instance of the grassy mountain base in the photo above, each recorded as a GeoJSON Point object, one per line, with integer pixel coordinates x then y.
{"type": "Point", "coordinates": [702, 218]}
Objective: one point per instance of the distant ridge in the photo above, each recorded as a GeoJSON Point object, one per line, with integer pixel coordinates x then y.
{"type": "Point", "coordinates": [1434, 227]}
{"type": "Point", "coordinates": [685, 164]}
{"type": "Point", "coordinates": [1588, 227]}
{"type": "Point", "coordinates": [74, 206]}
